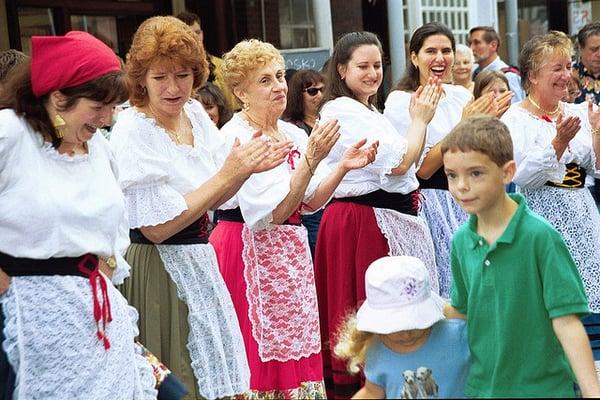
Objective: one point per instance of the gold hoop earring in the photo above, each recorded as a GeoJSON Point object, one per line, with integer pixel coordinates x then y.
{"type": "Point", "coordinates": [144, 91]}
{"type": "Point", "coordinates": [59, 124]}
{"type": "Point", "coordinates": [246, 106]}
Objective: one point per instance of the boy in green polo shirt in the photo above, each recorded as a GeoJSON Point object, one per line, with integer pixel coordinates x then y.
{"type": "Point", "coordinates": [513, 278]}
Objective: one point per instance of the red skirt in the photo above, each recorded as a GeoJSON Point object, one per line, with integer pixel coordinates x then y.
{"type": "Point", "coordinates": [349, 240]}
{"type": "Point", "coordinates": [290, 379]}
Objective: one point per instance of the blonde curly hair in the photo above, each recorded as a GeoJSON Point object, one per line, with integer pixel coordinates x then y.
{"type": "Point", "coordinates": [245, 57]}
{"type": "Point", "coordinates": [353, 345]}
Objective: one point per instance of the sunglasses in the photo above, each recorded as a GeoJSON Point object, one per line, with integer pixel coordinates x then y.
{"type": "Point", "coordinates": [312, 91]}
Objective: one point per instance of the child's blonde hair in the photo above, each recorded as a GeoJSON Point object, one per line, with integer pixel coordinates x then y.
{"type": "Point", "coordinates": [352, 344]}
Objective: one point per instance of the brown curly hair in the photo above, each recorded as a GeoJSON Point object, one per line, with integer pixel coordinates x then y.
{"type": "Point", "coordinates": [163, 39]}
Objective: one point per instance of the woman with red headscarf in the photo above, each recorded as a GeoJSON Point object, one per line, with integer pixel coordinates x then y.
{"type": "Point", "coordinates": [68, 332]}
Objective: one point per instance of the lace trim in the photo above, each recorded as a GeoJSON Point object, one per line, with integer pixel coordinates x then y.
{"type": "Point", "coordinates": [215, 342]}
{"type": "Point", "coordinates": [443, 217]}
{"type": "Point", "coordinates": [153, 205]}
{"type": "Point", "coordinates": [53, 348]}
{"type": "Point", "coordinates": [53, 153]}
{"type": "Point", "coordinates": [574, 214]}
{"type": "Point", "coordinates": [408, 235]}
{"type": "Point", "coordinates": [281, 292]}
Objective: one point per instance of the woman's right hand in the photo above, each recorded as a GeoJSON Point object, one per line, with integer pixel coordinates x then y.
{"type": "Point", "coordinates": [424, 101]}
{"type": "Point", "coordinates": [244, 159]}
{"type": "Point", "coordinates": [566, 128]}
{"type": "Point", "coordinates": [321, 140]}
{"type": "Point", "coordinates": [486, 104]}
{"type": "Point", "coordinates": [4, 282]}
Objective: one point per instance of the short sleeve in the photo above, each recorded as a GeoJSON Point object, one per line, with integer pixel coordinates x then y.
{"type": "Point", "coordinates": [533, 152]}
{"type": "Point", "coordinates": [458, 292]}
{"type": "Point", "coordinates": [372, 363]}
{"type": "Point", "coordinates": [144, 173]}
{"type": "Point", "coordinates": [563, 289]}
{"type": "Point", "coordinates": [357, 122]}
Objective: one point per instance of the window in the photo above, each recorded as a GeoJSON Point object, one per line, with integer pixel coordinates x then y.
{"type": "Point", "coordinates": [296, 24]}
{"type": "Point", "coordinates": [35, 22]}
{"type": "Point", "coordinates": [103, 27]}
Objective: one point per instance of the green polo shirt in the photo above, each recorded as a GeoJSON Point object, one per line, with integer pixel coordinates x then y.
{"type": "Point", "coordinates": [510, 291]}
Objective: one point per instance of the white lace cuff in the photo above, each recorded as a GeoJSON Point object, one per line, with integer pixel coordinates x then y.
{"type": "Point", "coordinates": [121, 270]}
{"type": "Point", "coordinates": [153, 205]}
{"type": "Point", "coordinates": [390, 157]}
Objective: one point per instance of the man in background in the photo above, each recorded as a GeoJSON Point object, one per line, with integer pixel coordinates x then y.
{"type": "Point", "coordinates": [214, 63]}
{"type": "Point", "coordinates": [485, 42]}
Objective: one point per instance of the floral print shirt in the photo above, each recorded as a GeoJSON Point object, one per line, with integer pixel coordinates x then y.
{"type": "Point", "coordinates": [590, 84]}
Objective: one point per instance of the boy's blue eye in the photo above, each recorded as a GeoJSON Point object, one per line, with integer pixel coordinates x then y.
{"type": "Point", "coordinates": [476, 173]}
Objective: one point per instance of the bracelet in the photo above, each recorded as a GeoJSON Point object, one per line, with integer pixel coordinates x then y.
{"type": "Point", "coordinates": [596, 131]}
{"type": "Point", "coordinates": [312, 173]}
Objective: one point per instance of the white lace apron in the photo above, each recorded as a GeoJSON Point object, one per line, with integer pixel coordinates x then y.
{"type": "Point", "coordinates": [280, 288]}
{"type": "Point", "coordinates": [215, 342]}
{"type": "Point", "coordinates": [408, 235]}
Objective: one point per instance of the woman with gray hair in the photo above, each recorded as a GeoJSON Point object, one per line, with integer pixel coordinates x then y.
{"type": "Point", "coordinates": [462, 71]}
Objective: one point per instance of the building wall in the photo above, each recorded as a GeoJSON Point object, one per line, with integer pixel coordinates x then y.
{"type": "Point", "coordinates": [4, 42]}
{"type": "Point", "coordinates": [346, 17]}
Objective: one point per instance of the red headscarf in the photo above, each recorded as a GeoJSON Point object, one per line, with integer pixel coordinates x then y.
{"type": "Point", "coordinates": [59, 62]}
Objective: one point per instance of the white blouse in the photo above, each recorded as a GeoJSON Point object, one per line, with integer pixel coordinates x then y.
{"type": "Point", "coordinates": [156, 173]}
{"type": "Point", "coordinates": [262, 192]}
{"type": "Point", "coordinates": [447, 115]}
{"type": "Point", "coordinates": [55, 205]}
{"type": "Point", "coordinates": [359, 122]}
{"type": "Point", "coordinates": [533, 151]}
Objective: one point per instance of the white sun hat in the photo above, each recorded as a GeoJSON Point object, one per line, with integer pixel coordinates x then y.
{"type": "Point", "coordinates": [399, 297]}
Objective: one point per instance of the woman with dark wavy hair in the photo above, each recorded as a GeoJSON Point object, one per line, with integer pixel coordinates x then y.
{"type": "Point", "coordinates": [69, 332]}
{"type": "Point", "coordinates": [305, 94]}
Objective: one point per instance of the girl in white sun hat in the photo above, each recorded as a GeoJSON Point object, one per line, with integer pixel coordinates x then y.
{"type": "Point", "coordinates": [400, 338]}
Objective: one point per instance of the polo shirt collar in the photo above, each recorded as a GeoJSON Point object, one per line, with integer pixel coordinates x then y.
{"type": "Point", "coordinates": [509, 233]}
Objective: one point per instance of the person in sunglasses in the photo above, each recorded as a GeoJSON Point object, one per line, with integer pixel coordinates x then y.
{"type": "Point", "coordinates": [305, 92]}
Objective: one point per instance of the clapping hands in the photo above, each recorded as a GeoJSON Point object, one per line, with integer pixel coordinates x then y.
{"type": "Point", "coordinates": [424, 101]}
{"type": "Point", "coordinates": [359, 156]}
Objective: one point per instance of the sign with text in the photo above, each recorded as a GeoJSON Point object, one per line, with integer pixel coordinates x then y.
{"type": "Point", "coordinates": [311, 58]}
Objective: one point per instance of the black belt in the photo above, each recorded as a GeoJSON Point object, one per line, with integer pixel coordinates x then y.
{"type": "Point", "coordinates": [195, 233]}
{"type": "Point", "coordinates": [574, 179]}
{"type": "Point", "coordinates": [84, 266]}
{"type": "Point", "coordinates": [404, 203]}
{"type": "Point", "coordinates": [235, 215]}
{"type": "Point", "coordinates": [436, 181]}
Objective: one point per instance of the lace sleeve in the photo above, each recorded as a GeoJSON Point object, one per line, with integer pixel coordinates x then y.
{"type": "Point", "coordinates": [358, 122]}
{"type": "Point", "coordinates": [153, 204]}
{"type": "Point", "coordinates": [533, 151]}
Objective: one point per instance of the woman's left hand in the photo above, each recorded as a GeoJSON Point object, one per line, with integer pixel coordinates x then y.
{"type": "Point", "coordinates": [358, 156]}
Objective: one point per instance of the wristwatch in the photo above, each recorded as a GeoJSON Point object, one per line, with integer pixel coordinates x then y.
{"type": "Point", "coordinates": [110, 261]}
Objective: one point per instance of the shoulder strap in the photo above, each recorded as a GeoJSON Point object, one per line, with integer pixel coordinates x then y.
{"type": "Point", "coordinates": [512, 69]}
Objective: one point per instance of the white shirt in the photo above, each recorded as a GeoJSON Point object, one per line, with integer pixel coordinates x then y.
{"type": "Point", "coordinates": [156, 173]}
{"type": "Point", "coordinates": [533, 151]}
{"type": "Point", "coordinates": [359, 122]}
{"type": "Point", "coordinates": [262, 192]}
{"type": "Point", "coordinates": [514, 80]}
{"type": "Point", "coordinates": [447, 115]}
{"type": "Point", "coordinates": [55, 205]}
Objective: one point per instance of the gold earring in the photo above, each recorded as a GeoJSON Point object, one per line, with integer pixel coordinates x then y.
{"type": "Point", "coordinates": [246, 106]}
{"type": "Point", "coordinates": [59, 124]}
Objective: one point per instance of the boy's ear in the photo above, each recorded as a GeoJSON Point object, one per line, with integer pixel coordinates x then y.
{"type": "Point", "coordinates": [509, 170]}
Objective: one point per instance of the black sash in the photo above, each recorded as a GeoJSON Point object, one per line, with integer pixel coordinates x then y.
{"type": "Point", "coordinates": [77, 266]}
{"type": "Point", "coordinates": [195, 233]}
{"type": "Point", "coordinates": [404, 203]}
{"type": "Point", "coordinates": [574, 179]}
{"type": "Point", "coordinates": [235, 215]}
{"type": "Point", "coordinates": [437, 181]}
